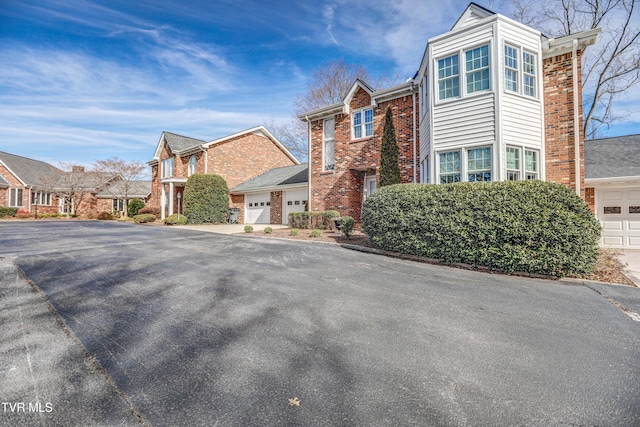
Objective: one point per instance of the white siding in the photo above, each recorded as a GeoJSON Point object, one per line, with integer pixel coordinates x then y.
{"type": "Point", "coordinates": [521, 121]}
{"type": "Point", "coordinates": [468, 121]}
{"type": "Point", "coordinates": [462, 41]}
{"type": "Point", "coordinates": [519, 37]}
{"type": "Point", "coordinates": [425, 136]}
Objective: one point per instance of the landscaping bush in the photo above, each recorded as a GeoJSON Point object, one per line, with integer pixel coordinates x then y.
{"type": "Point", "coordinates": [206, 199]}
{"type": "Point", "coordinates": [150, 210]}
{"type": "Point", "coordinates": [294, 232]}
{"type": "Point", "coordinates": [315, 233]}
{"type": "Point", "coordinates": [105, 216]}
{"type": "Point", "coordinates": [5, 211]}
{"type": "Point", "coordinates": [173, 220]}
{"type": "Point", "coordinates": [134, 207]}
{"type": "Point", "coordinates": [325, 220]}
{"type": "Point", "coordinates": [347, 225]}
{"type": "Point", "coordinates": [268, 230]}
{"type": "Point", "coordinates": [528, 226]}
{"type": "Point", "coordinates": [248, 229]}
{"type": "Point", "coordinates": [144, 218]}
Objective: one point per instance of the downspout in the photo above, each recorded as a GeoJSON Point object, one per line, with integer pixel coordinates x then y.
{"type": "Point", "coordinates": [415, 161]}
{"type": "Point", "coordinates": [576, 113]}
{"type": "Point", "coordinates": [308, 162]}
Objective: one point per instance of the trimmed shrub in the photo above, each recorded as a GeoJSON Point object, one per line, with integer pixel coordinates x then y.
{"type": "Point", "coordinates": [316, 233]}
{"type": "Point", "coordinates": [206, 199]}
{"type": "Point", "coordinates": [248, 229]}
{"type": "Point", "coordinates": [173, 220]}
{"type": "Point", "coordinates": [294, 232]}
{"type": "Point", "coordinates": [105, 216]}
{"type": "Point", "coordinates": [325, 220]}
{"type": "Point", "coordinates": [268, 230]}
{"type": "Point", "coordinates": [134, 207]}
{"type": "Point", "coordinates": [143, 218]}
{"type": "Point", "coordinates": [528, 226]}
{"type": "Point", "coordinates": [347, 225]}
{"type": "Point", "coordinates": [5, 211]}
{"type": "Point", "coordinates": [150, 210]}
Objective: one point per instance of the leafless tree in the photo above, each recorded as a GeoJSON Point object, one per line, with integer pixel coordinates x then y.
{"type": "Point", "coordinates": [69, 184]}
{"type": "Point", "coordinates": [328, 85]}
{"type": "Point", "coordinates": [126, 175]}
{"type": "Point", "coordinates": [611, 67]}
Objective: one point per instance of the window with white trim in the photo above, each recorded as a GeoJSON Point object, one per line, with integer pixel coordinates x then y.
{"type": "Point", "coordinates": [477, 69]}
{"type": "Point", "coordinates": [167, 167]}
{"type": "Point", "coordinates": [479, 164]}
{"type": "Point", "coordinates": [531, 167]}
{"type": "Point", "coordinates": [41, 198]}
{"type": "Point", "coordinates": [117, 205]}
{"type": "Point", "coordinates": [448, 77]}
{"type": "Point", "coordinates": [328, 144]}
{"type": "Point", "coordinates": [513, 164]}
{"type": "Point", "coordinates": [192, 166]}
{"type": "Point", "coordinates": [15, 197]}
{"type": "Point", "coordinates": [518, 169]}
{"type": "Point", "coordinates": [529, 73]}
{"type": "Point", "coordinates": [515, 81]}
{"type": "Point", "coordinates": [362, 123]}
{"type": "Point", "coordinates": [510, 68]}
{"type": "Point", "coordinates": [450, 167]}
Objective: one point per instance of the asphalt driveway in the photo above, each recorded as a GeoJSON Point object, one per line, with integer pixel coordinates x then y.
{"type": "Point", "coordinates": [183, 327]}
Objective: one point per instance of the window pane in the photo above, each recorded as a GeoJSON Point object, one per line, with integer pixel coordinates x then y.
{"type": "Point", "coordinates": [531, 161]}
{"type": "Point", "coordinates": [329, 128]}
{"type": "Point", "coordinates": [513, 158]}
{"type": "Point", "coordinates": [479, 164]}
{"type": "Point", "coordinates": [477, 69]}
{"type": "Point", "coordinates": [328, 155]}
{"type": "Point", "coordinates": [357, 119]}
{"type": "Point", "coordinates": [449, 167]}
{"type": "Point", "coordinates": [448, 77]}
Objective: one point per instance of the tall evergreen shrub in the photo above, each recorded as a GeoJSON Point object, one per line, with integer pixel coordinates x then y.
{"type": "Point", "coordinates": [389, 166]}
{"type": "Point", "coordinates": [206, 199]}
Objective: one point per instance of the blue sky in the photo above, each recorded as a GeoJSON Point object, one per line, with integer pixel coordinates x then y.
{"type": "Point", "coordinates": [84, 80]}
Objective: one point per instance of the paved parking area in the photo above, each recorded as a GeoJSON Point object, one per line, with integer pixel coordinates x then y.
{"type": "Point", "coordinates": [194, 328]}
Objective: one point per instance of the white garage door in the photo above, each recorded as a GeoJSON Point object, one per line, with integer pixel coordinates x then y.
{"type": "Point", "coordinates": [257, 208]}
{"type": "Point", "coordinates": [294, 201]}
{"type": "Point", "coordinates": [619, 214]}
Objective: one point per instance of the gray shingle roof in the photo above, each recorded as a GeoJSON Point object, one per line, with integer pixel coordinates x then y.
{"type": "Point", "coordinates": [288, 175]}
{"type": "Point", "coordinates": [139, 189]}
{"type": "Point", "coordinates": [31, 172]}
{"type": "Point", "coordinates": [612, 157]}
{"type": "Point", "coordinates": [179, 143]}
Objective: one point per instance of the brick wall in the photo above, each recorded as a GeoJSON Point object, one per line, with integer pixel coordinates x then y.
{"type": "Point", "coordinates": [276, 208]}
{"type": "Point", "coordinates": [342, 188]}
{"type": "Point", "coordinates": [590, 198]}
{"type": "Point", "coordinates": [237, 201]}
{"type": "Point", "coordinates": [245, 157]}
{"type": "Point", "coordinates": [559, 121]}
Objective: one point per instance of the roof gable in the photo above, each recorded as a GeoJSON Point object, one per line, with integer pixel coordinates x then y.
{"type": "Point", "coordinates": [257, 130]}
{"type": "Point", "coordinates": [177, 143]}
{"type": "Point", "coordinates": [472, 14]}
{"type": "Point", "coordinates": [357, 85]}
{"type": "Point", "coordinates": [29, 172]}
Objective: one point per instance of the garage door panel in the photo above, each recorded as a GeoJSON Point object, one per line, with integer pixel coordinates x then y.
{"type": "Point", "coordinates": [258, 209]}
{"type": "Point", "coordinates": [294, 202]}
{"type": "Point", "coordinates": [619, 214]}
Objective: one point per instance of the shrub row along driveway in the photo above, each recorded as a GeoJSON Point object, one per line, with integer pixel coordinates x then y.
{"type": "Point", "coordinates": [205, 329]}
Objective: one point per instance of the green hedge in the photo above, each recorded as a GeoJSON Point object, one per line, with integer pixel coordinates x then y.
{"type": "Point", "coordinates": [528, 226]}
{"type": "Point", "coordinates": [134, 206]}
{"type": "Point", "coordinates": [174, 220]}
{"type": "Point", "coordinates": [206, 199]}
{"type": "Point", "coordinates": [325, 220]}
{"type": "Point", "coordinates": [5, 211]}
{"type": "Point", "coordinates": [144, 218]}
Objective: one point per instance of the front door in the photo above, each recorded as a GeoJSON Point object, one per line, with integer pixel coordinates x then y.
{"type": "Point", "coordinates": [369, 185]}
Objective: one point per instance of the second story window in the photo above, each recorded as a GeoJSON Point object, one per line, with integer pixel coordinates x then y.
{"type": "Point", "coordinates": [167, 167]}
{"type": "Point", "coordinates": [510, 68]}
{"type": "Point", "coordinates": [448, 77]}
{"type": "Point", "coordinates": [520, 71]}
{"type": "Point", "coordinates": [362, 123]}
{"type": "Point", "coordinates": [477, 69]}
{"type": "Point", "coordinates": [192, 166]}
{"type": "Point", "coordinates": [328, 144]}
{"type": "Point", "coordinates": [529, 73]}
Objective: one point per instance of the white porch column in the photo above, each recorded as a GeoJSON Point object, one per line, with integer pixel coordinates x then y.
{"type": "Point", "coordinates": [170, 198]}
{"type": "Point", "coordinates": [163, 201]}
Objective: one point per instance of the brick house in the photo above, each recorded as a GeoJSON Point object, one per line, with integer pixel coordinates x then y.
{"type": "Point", "coordinates": [237, 158]}
{"type": "Point", "coordinates": [493, 100]}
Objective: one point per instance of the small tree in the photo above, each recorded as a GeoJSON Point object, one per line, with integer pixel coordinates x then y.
{"type": "Point", "coordinates": [389, 166]}
{"type": "Point", "coordinates": [134, 206]}
{"type": "Point", "coordinates": [206, 199]}
{"type": "Point", "coordinates": [127, 173]}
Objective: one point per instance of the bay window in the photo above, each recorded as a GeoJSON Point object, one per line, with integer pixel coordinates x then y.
{"type": "Point", "coordinates": [517, 169]}
{"type": "Point", "coordinates": [477, 68]}
{"type": "Point", "coordinates": [479, 164]}
{"type": "Point", "coordinates": [522, 81]}
{"type": "Point", "coordinates": [448, 77]}
{"type": "Point", "coordinates": [450, 167]}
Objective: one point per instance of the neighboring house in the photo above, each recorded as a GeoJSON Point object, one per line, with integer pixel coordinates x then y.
{"type": "Point", "coordinates": [612, 179]}
{"type": "Point", "coordinates": [270, 197]}
{"type": "Point", "coordinates": [111, 199]}
{"type": "Point", "coordinates": [493, 100]}
{"type": "Point", "coordinates": [236, 158]}
{"type": "Point", "coordinates": [25, 182]}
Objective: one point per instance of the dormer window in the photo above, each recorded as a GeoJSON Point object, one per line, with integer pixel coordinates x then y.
{"type": "Point", "coordinates": [362, 123]}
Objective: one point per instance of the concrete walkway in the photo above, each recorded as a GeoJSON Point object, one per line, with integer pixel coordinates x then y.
{"type": "Point", "coordinates": [229, 228]}
{"type": "Point", "coordinates": [632, 259]}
